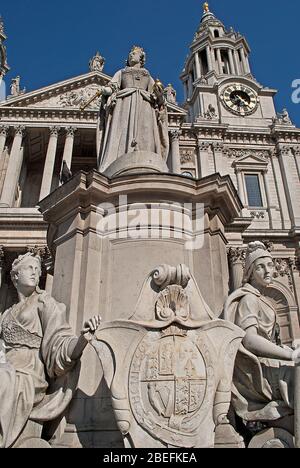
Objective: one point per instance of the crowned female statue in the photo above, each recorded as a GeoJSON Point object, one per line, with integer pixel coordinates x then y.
{"type": "Point", "coordinates": [133, 114]}
{"type": "Point", "coordinates": [38, 346]}
{"type": "Point", "coordinates": [264, 372]}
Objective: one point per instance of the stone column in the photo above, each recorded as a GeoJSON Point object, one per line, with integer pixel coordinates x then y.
{"type": "Point", "coordinates": [291, 182]}
{"type": "Point", "coordinates": [231, 61]}
{"type": "Point", "coordinates": [197, 63]}
{"type": "Point", "coordinates": [2, 264]}
{"type": "Point", "coordinates": [190, 86]}
{"type": "Point", "coordinates": [69, 144]}
{"type": "Point", "coordinates": [267, 190]}
{"type": "Point", "coordinates": [237, 61]}
{"type": "Point", "coordinates": [244, 61]}
{"type": "Point", "coordinates": [236, 261]}
{"type": "Point", "coordinates": [49, 163]}
{"type": "Point", "coordinates": [286, 221]}
{"type": "Point", "coordinates": [176, 166]}
{"type": "Point", "coordinates": [209, 58]}
{"type": "Point", "coordinates": [219, 61]}
{"type": "Point", "coordinates": [13, 169]}
{"type": "Point", "coordinates": [297, 159]}
{"type": "Point", "coordinates": [241, 186]}
{"type": "Point", "coordinates": [218, 155]}
{"type": "Point", "coordinates": [186, 90]}
{"type": "Point", "coordinates": [203, 158]}
{"type": "Point", "coordinates": [3, 285]}
{"type": "Point", "coordinates": [3, 135]}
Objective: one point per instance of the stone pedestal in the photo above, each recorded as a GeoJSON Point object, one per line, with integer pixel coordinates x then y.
{"type": "Point", "coordinates": [100, 270]}
{"type": "Point", "coordinates": [137, 162]}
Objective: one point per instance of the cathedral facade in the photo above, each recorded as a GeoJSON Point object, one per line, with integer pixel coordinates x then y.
{"type": "Point", "coordinates": [227, 132]}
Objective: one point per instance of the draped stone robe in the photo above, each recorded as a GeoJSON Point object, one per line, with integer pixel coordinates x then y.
{"type": "Point", "coordinates": [263, 388]}
{"type": "Point", "coordinates": [36, 338]}
{"type": "Point", "coordinates": [130, 120]}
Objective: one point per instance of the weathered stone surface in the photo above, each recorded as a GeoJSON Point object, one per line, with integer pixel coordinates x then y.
{"type": "Point", "coordinates": [170, 366]}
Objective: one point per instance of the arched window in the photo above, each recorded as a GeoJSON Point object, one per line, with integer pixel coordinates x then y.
{"type": "Point", "coordinates": [216, 33]}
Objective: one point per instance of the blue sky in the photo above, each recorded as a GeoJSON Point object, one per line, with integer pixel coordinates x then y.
{"type": "Point", "coordinates": [52, 41]}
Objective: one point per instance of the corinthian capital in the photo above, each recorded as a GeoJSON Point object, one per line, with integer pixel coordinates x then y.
{"type": "Point", "coordinates": [54, 131]}
{"type": "Point", "coordinates": [175, 134]}
{"type": "Point", "coordinates": [236, 255]}
{"type": "Point", "coordinates": [203, 145]}
{"type": "Point", "coordinates": [20, 130]}
{"type": "Point", "coordinates": [4, 129]}
{"type": "Point", "coordinates": [296, 150]}
{"type": "Point", "coordinates": [1, 256]}
{"type": "Point", "coordinates": [70, 131]}
{"type": "Point", "coordinates": [285, 150]}
{"type": "Point", "coordinates": [218, 146]}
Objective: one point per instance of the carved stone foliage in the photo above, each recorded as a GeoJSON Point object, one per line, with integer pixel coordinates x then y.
{"type": "Point", "coordinates": [258, 214]}
{"type": "Point", "coordinates": [234, 153]}
{"type": "Point", "coordinates": [187, 156]}
{"type": "Point", "coordinates": [45, 254]}
{"type": "Point", "coordinates": [284, 267]}
{"type": "Point", "coordinates": [237, 255]}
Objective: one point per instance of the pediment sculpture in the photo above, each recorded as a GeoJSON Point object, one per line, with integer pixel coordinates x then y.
{"type": "Point", "coordinates": [169, 368]}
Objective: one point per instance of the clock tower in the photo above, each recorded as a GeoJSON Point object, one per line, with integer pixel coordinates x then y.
{"type": "Point", "coordinates": [218, 82]}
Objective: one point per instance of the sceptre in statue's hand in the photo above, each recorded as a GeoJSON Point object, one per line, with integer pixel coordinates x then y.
{"type": "Point", "coordinates": [158, 93]}
{"type": "Point", "coordinates": [92, 99]}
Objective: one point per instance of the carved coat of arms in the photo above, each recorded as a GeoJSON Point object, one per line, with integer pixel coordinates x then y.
{"type": "Point", "coordinates": [170, 367]}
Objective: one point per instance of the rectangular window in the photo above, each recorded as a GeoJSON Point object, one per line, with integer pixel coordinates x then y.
{"type": "Point", "coordinates": [253, 190]}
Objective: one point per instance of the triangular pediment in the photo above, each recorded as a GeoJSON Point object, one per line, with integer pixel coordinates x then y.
{"type": "Point", "coordinates": [71, 93]}
{"type": "Point", "coordinates": [175, 109]}
{"type": "Point", "coordinates": [252, 158]}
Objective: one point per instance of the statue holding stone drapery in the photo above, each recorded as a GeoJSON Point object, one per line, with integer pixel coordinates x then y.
{"type": "Point", "coordinates": [38, 348]}
{"type": "Point", "coordinates": [133, 117]}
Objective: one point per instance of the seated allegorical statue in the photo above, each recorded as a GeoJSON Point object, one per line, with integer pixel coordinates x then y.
{"type": "Point", "coordinates": [263, 387]}
{"type": "Point", "coordinates": [133, 113]}
{"type": "Point", "coordinates": [38, 346]}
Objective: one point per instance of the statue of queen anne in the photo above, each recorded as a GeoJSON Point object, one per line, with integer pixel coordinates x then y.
{"type": "Point", "coordinates": [133, 113]}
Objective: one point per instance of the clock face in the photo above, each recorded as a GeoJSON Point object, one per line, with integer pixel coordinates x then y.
{"type": "Point", "coordinates": [240, 99]}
